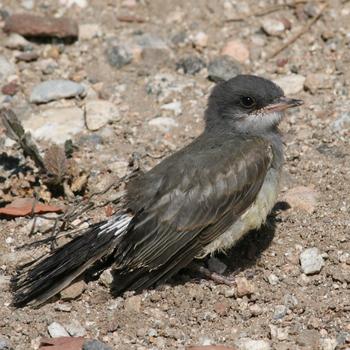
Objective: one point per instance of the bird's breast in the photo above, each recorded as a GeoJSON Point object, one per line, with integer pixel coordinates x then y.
{"type": "Point", "coordinates": [252, 218]}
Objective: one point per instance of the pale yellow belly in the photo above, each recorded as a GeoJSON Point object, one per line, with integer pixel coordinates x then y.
{"type": "Point", "coordinates": [253, 218]}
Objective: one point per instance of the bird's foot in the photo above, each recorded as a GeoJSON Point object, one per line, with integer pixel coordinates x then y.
{"type": "Point", "coordinates": [216, 277]}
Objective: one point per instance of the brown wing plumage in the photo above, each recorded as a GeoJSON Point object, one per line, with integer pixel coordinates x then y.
{"type": "Point", "coordinates": [186, 202]}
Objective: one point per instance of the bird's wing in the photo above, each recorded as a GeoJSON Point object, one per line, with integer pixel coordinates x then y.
{"type": "Point", "coordinates": [186, 202]}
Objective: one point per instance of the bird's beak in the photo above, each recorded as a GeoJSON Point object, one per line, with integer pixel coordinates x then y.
{"type": "Point", "coordinates": [283, 103]}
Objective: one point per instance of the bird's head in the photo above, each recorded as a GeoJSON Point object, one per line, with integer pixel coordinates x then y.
{"type": "Point", "coordinates": [248, 104]}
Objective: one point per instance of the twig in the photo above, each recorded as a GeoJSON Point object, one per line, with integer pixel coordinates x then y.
{"type": "Point", "coordinates": [297, 35]}
{"type": "Point", "coordinates": [265, 11]}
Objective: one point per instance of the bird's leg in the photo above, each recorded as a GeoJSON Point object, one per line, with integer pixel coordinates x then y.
{"type": "Point", "coordinates": [216, 277]}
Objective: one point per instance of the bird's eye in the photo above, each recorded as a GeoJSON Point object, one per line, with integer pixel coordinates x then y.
{"type": "Point", "coordinates": [247, 102]}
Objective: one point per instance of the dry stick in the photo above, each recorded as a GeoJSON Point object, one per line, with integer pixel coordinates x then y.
{"type": "Point", "coordinates": [298, 34]}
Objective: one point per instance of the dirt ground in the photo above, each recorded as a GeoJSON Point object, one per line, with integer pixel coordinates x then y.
{"type": "Point", "coordinates": [284, 307]}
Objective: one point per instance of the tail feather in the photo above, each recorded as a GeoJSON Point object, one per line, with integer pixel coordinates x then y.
{"type": "Point", "coordinates": [35, 283]}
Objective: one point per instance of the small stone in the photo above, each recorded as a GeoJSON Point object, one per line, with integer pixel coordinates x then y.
{"type": "Point", "coordinates": [75, 329]}
{"type": "Point", "coordinates": [133, 304]}
{"type": "Point", "coordinates": [52, 90]}
{"type": "Point", "coordinates": [342, 122]}
{"type": "Point", "coordinates": [302, 197]}
{"type": "Point", "coordinates": [63, 307]}
{"type": "Point", "coordinates": [244, 287]}
{"type": "Point", "coordinates": [250, 344]}
{"type": "Point", "coordinates": [118, 56]}
{"type": "Point", "coordinates": [273, 279]}
{"type": "Point", "coordinates": [73, 291]}
{"type": "Point", "coordinates": [163, 123]}
{"type": "Point", "coordinates": [215, 265]}
{"type": "Point", "coordinates": [326, 344]}
{"type": "Point", "coordinates": [309, 338]}
{"type": "Point", "coordinates": [279, 312]}
{"type": "Point", "coordinates": [256, 310]}
{"type": "Point", "coordinates": [30, 25]}
{"type": "Point", "coordinates": [89, 31]}
{"type": "Point", "coordinates": [106, 278]}
{"type": "Point", "coordinates": [17, 42]}
{"type": "Point", "coordinates": [56, 124]}
{"type": "Point", "coordinates": [173, 106]}
{"type": "Point", "coordinates": [98, 113]}
{"type": "Point", "coordinates": [221, 308]}
{"type": "Point", "coordinates": [236, 50]}
{"type": "Point", "coordinates": [5, 344]}
{"type": "Point", "coordinates": [278, 333]}
{"type": "Point", "coordinates": [291, 84]}
{"type": "Point", "coordinates": [200, 40]}
{"type": "Point", "coordinates": [95, 345]}
{"type": "Point", "coordinates": [56, 330]}
{"type": "Point", "coordinates": [290, 301]}
{"type": "Point", "coordinates": [29, 56]}
{"type": "Point", "coordinates": [190, 65]}
{"type": "Point", "coordinates": [273, 27]}
{"type": "Point", "coordinates": [6, 68]}
{"type": "Point", "coordinates": [311, 261]}
{"type": "Point", "coordinates": [316, 81]}
{"type": "Point", "coordinates": [229, 292]}
{"type": "Point", "coordinates": [10, 89]}
{"type": "Point", "coordinates": [223, 68]}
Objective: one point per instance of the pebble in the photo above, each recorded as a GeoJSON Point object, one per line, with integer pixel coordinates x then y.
{"type": "Point", "coordinates": [291, 84]}
{"type": "Point", "coordinates": [342, 122]}
{"type": "Point", "coordinates": [5, 344]}
{"type": "Point", "coordinates": [52, 90]}
{"type": "Point", "coordinates": [75, 329]}
{"type": "Point", "coordinates": [255, 309]}
{"type": "Point", "coordinates": [89, 31]}
{"type": "Point", "coordinates": [200, 40]}
{"type": "Point", "coordinates": [17, 42]}
{"type": "Point", "coordinates": [73, 291]}
{"type": "Point", "coordinates": [302, 198]}
{"type": "Point", "coordinates": [311, 261]}
{"type": "Point", "coordinates": [278, 333]}
{"type": "Point", "coordinates": [133, 304]}
{"type": "Point", "coordinates": [56, 125]}
{"type": "Point", "coordinates": [215, 265]}
{"type": "Point", "coordinates": [30, 25]}
{"type": "Point", "coordinates": [163, 123]}
{"type": "Point", "coordinates": [191, 65]}
{"type": "Point", "coordinates": [106, 278]}
{"type": "Point", "coordinates": [273, 279]}
{"type": "Point", "coordinates": [56, 330]}
{"type": "Point", "coordinates": [6, 68]}
{"type": "Point", "coordinates": [175, 107]}
{"type": "Point", "coordinates": [98, 113]}
{"type": "Point", "coordinates": [10, 89]}
{"type": "Point", "coordinates": [244, 287]}
{"type": "Point", "coordinates": [251, 344]}
{"type": "Point", "coordinates": [221, 308]}
{"type": "Point", "coordinates": [95, 345]}
{"type": "Point", "coordinates": [279, 312]}
{"type": "Point", "coordinates": [237, 50]}
{"type": "Point", "coordinates": [29, 56]}
{"type": "Point", "coordinates": [223, 68]}
{"type": "Point", "coordinates": [316, 81]}
{"type": "Point", "coordinates": [118, 56]}
{"type": "Point", "coordinates": [273, 27]}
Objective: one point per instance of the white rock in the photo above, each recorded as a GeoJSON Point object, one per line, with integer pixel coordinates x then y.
{"type": "Point", "coordinates": [89, 31]}
{"type": "Point", "coordinates": [56, 125]}
{"type": "Point", "coordinates": [273, 279]}
{"type": "Point", "coordinates": [57, 330]}
{"type": "Point", "coordinates": [291, 84]}
{"type": "Point", "coordinates": [173, 106]}
{"type": "Point", "coordinates": [75, 329]}
{"type": "Point", "coordinates": [16, 42]}
{"type": "Point", "coordinates": [272, 26]}
{"type": "Point", "coordinates": [200, 40]}
{"type": "Point", "coordinates": [328, 343]}
{"type": "Point", "coordinates": [163, 123]}
{"type": "Point", "coordinates": [250, 344]}
{"type": "Point", "coordinates": [69, 3]}
{"type": "Point", "coordinates": [311, 261]}
{"type": "Point", "coordinates": [51, 90]}
{"type": "Point", "coordinates": [6, 68]}
{"type": "Point", "coordinates": [98, 113]}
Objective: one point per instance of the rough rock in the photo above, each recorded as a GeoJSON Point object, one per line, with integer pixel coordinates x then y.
{"type": "Point", "coordinates": [273, 279]}
{"type": "Point", "coordinates": [279, 312]}
{"type": "Point", "coordinates": [56, 330]}
{"type": "Point", "coordinates": [51, 90]}
{"type": "Point", "coordinates": [302, 198]}
{"type": "Point", "coordinates": [311, 261]}
{"type": "Point", "coordinates": [75, 329]}
{"type": "Point", "coordinates": [133, 304]}
{"type": "Point", "coordinates": [106, 278]}
{"type": "Point", "coordinates": [244, 287]}
{"type": "Point", "coordinates": [190, 65]}
{"type": "Point", "coordinates": [73, 291]}
{"type": "Point", "coordinates": [237, 50]}
{"type": "Point", "coordinates": [291, 84]}
{"type": "Point", "coordinates": [30, 25]}
{"type": "Point", "coordinates": [118, 55]}
{"type": "Point", "coordinates": [223, 68]}
{"type": "Point", "coordinates": [56, 124]}
{"type": "Point", "coordinates": [98, 113]}
{"type": "Point", "coordinates": [6, 68]}
{"type": "Point", "coordinates": [251, 344]}
{"type": "Point", "coordinates": [273, 27]}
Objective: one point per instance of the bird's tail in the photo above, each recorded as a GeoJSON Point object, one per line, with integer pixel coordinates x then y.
{"type": "Point", "coordinates": [36, 282]}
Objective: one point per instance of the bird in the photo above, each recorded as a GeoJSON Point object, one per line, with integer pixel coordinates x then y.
{"type": "Point", "coordinates": [198, 201]}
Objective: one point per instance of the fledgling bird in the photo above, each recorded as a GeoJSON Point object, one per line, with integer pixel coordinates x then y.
{"type": "Point", "coordinates": [200, 200]}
